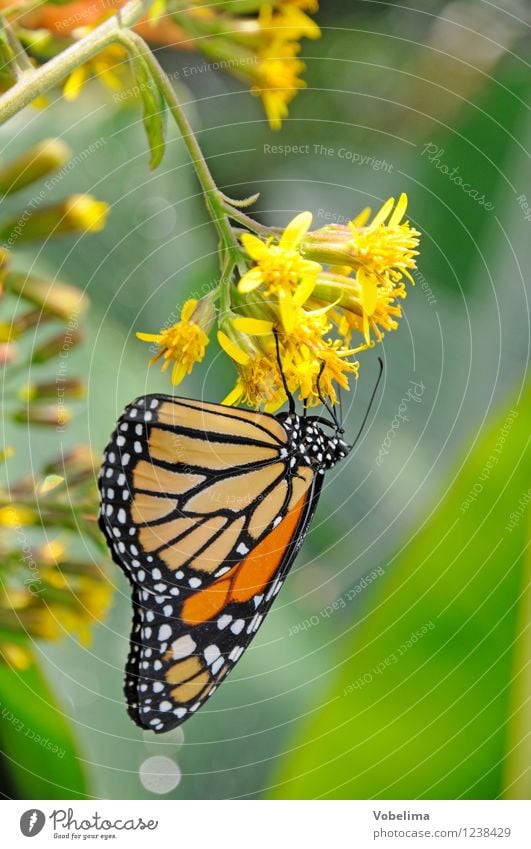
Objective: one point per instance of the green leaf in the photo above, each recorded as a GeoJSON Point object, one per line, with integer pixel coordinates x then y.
{"type": "Point", "coordinates": [36, 740]}
{"type": "Point", "coordinates": [424, 705]}
{"type": "Point", "coordinates": [154, 110]}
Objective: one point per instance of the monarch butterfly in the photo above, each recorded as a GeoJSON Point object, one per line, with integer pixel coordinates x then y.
{"type": "Point", "coordinates": [204, 507]}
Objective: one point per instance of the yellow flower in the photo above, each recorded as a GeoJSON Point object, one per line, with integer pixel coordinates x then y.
{"type": "Point", "coordinates": [385, 248]}
{"type": "Point", "coordinates": [277, 79]}
{"type": "Point", "coordinates": [288, 21]}
{"type": "Point", "coordinates": [380, 254]}
{"type": "Point", "coordinates": [108, 66]}
{"type": "Point", "coordinates": [259, 382]}
{"type": "Point", "coordinates": [13, 516]}
{"type": "Point", "coordinates": [16, 655]}
{"type": "Point", "coordinates": [46, 597]}
{"type": "Point", "coordinates": [310, 360]}
{"type": "Point", "coordinates": [185, 342]}
{"type": "Point", "coordinates": [85, 212]}
{"type": "Point", "coordinates": [281, 268]}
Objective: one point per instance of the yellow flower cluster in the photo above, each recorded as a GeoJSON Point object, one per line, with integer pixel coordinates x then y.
{"type": "Point", "coordinates": [296, 308]}
{"type": "Point", "coordinates": [277, 78]}
{"type": "Point", "coordinates": [259, 45]}
{"type": "Point", "coordinates": [45, 594]}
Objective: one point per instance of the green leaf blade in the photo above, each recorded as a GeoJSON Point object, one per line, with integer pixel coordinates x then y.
{"type": "Point", "coordinates": [427, 716]}
{"type": "Point", "coordinates": [36, 740]}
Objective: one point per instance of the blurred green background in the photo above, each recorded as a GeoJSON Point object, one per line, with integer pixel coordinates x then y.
{"type": "Point", "coordinates": [392, 664]}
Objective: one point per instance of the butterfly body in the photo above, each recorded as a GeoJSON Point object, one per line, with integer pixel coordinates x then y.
{"type": "Point", "coordinates": [204, 507]}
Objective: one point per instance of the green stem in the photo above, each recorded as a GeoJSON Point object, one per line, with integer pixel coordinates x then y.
{"type": "Point", "coordinates": [248, 222]}
{"type": "Point", "coordinates": [36, 82]}
{"type": "Point", "coordinates": [220, 213]}
{"type": "Point", "coordinates": [135, 44]}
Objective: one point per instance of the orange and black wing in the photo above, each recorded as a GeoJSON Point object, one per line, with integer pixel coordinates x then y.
{"type": "Point", "coordinates": [204, 510]}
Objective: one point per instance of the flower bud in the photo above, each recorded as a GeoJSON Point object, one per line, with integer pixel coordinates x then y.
{"type": "Point", "coordinates": [66, 388]}
{"type": "Point", "coordinates": [77, 213]}
{"type": "Point", "coordinates": [54, 297]}
{"type": "Point", "coordinates": [50, 415]}
{"type": "Point", "coordinates": [12, 516]}
{"type": "Point", "coordinates": [58, 345]}
{"type": "Point", "coordinates": [15, 655]}
{"type": "Point", "coordinates": [78, 466]}
{"type": "Point", "coordinates": [35, 164]}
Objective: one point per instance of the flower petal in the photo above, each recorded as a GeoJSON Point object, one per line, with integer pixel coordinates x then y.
{"type": "Point", "coordinates": [361, 219]}
{"type": "Point", "coordinates": [382, 214]}
{"type": "Point", "coordinates": [304, 290]}
{"type": "Point", "coordinates": [234, 351]}
{"type": "Point", "coordinates": [250, 280]}
{"type": "Point", "coordinates": [75, 83]}
{"type": "Point", "coordinates": [234, 396]}
{"type": "Point", "coordinates": [178, 373]}
{"type": "Point", "coordinates": [188, 308]}
{"type": "Point", "coordinates": [288, 312]}
{"type": "Point", "coordinates": [369, 291]}
{"type": "Point", "coordinates": [254, 246]}
{"type": "Point", "coordinates": [296, 231]}
{"type": "Point", "coordinates": [148, 337]}
{"type": "Point", "coordinates": [253, 326]}
{"type": "Point", "coordinates": [399, 211]}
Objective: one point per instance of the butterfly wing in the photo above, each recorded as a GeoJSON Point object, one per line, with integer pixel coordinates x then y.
{"type": "Point", "coordinates": [205, 511]}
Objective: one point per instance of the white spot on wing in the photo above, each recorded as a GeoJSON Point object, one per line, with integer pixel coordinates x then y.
{"type": "Point", "coordinates": [183, 647]}
{"type": "Point", "coordinates": [216, 666]}
{"type": "Point", "coordinates": [211, 654]}
{"type": "Point", "coordinates": [164, 632]}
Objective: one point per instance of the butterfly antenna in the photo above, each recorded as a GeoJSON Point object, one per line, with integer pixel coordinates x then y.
{"type": "Point", "coordinates": [324, 402]}
{"type": "Point", "coordinates": [291, 400]}
{"type": "Point", "coordinates": [340, 406]}
{"type": "Point", "coordinates": [371, 401]}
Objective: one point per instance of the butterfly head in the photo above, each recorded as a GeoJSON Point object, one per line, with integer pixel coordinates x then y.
{"type": "Point", "coordinates": [309, 444]}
